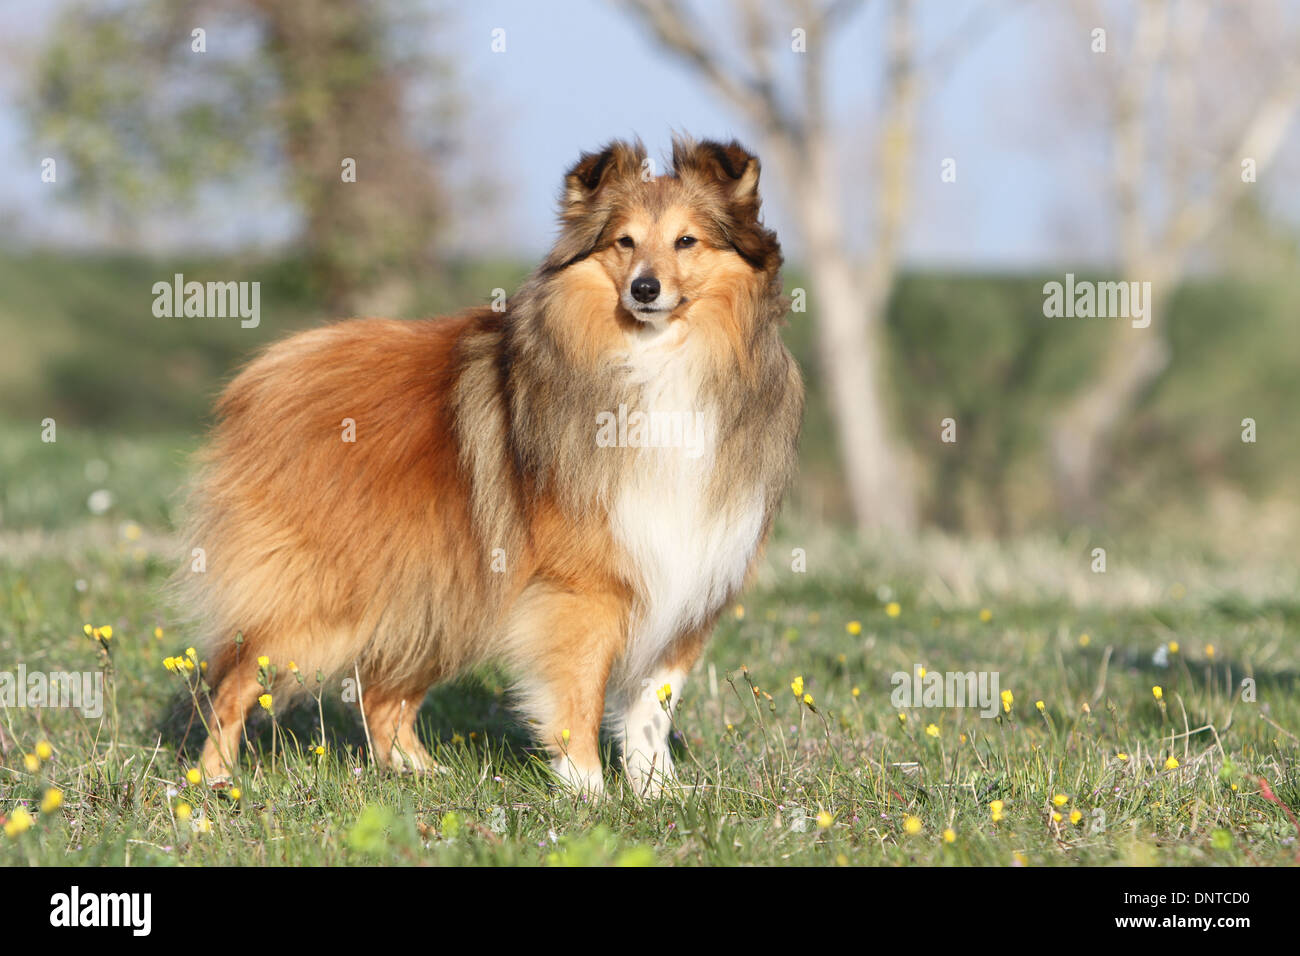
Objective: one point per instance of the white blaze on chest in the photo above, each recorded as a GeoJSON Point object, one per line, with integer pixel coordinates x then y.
{"type": "Point", "coordinates": [685, 555]}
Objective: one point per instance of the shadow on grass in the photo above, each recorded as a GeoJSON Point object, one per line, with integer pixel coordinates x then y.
{"type": "Point", "coordinates": [471, 710]}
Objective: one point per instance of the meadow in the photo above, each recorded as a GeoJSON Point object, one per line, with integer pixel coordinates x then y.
{"type": "Point", "coordinates": [789, 746]}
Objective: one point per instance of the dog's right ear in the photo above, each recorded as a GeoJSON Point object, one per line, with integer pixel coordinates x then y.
{"type": "Point", "coordinates": [594, 171]}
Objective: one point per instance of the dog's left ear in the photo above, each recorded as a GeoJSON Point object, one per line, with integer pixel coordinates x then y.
{"type": "Point", "coordinates": [732, 171]}
{"type": "Point", "coordinates": [729, 166]}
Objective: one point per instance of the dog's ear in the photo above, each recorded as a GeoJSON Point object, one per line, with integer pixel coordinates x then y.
{"type": "Point", "coordinates": [731, 171]}
{"type": "Point", "coordinates": [593, 171]}
{"type": "Point", "coordinates": [727, 166]}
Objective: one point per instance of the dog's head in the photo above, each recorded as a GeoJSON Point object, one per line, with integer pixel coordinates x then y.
{"type": "Point", "coordinates": [665, 241]}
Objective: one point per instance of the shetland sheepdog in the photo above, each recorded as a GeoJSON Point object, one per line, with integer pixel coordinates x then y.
{"type": "Point", "coordinates": [572, 487]}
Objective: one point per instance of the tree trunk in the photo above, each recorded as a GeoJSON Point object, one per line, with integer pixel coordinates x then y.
{"type": "Point", "coordinates": [850, 351]}
{"type": "Point", "coordinates": [849, 311]}
{"type": "Point", "coordinates": [1083, 431]}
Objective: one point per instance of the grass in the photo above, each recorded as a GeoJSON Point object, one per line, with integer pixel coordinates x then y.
{"type": "Point", "coordinates": [774, 780]}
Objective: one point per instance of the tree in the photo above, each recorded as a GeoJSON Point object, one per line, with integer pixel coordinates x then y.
{"type": "Point", "coordinates": [1175, 175]}
{"type": "Point", "coordinates": [146, 112]}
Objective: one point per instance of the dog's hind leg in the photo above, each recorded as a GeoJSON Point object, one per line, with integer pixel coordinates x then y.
{"type": "Point", "coordinates": [390, 712]}
{"type": "Point", "coordinates": [236, 694]}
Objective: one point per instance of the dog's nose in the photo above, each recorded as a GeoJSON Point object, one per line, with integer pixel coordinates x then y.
{"type": "Point", "coordinates": [645, 289]}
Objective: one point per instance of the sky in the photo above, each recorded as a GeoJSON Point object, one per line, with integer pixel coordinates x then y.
{"type": "Point", "coordinates": [1030, 187]}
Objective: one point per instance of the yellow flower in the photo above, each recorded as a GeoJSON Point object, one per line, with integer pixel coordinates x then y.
{"type": "Point", "coordinates": [1121, 755]}
{"type": "Point", "coordinates": [204, 826]}
{"type": "Point", "coordinates": [293, 668]}
{"type": "Point", "coordinates": [1076, 816]}
{"type": "Point", "coordinates": [319, 751]}
{"type": "Point", "coordinates": [857, 692]}
{"type": "Point", "coordinates": [52, 801]}
{"type": "Point", "coordinates": [808, 699]}
{"type": "Point", "coordinates": [1209, 650]}
{"type": "Point", "coordinates": [1171, 763]}
{"type": "Point", "coordinates": [564, 735]}
{"type": "Point", "coordinates": [44, 750]}
{"type": "Point", "coordinates": [1056, 817]}
{"type": "Point", "coordinates": [665, 693]}
{"type": "Point", "coordinates": [912, 825]}
{"type": "Point", "coordinates": [893, 609]}
{"type": "Point", "coordinates": [986, 615]}
{"type": "Point", "coordinates": [235, 793]}
{"type": "Point", "coordinates": [950, 835]}
{"type": "Point", "coordinates": [921, 671]}
{"type": "Point", "coordinates": [264, 662]}
{"type": "Point", "coordinates": [854, 627]}
{"type": "Point", "coordinates": [1060, 799]}
{"type": "Point", "coordinates": [183, 811]}
{"type": "Point", "coordinates": [1007, 700]}
{"type": "Point", "coordinates": [739, 612]}
{"type": "Point", "coordinates": [995, 810]}
{"type": "Point", "coordinates": [902, 717]}
{"type": "Point", "coordinates": [31, 762]}
{"type": "Point", "coordinates": [932, 730]}
{"type": "Point", "coordinates": [106, 632]}
{"type": "Point", "coordinates": [191, 653]}
{"type": "Point", "coordinates": [824, 820]}
{"type": "Point", "coordinates": [1084, 640]}
{"type": "Point", "coordinates": [1158, 692]}
{"type": "Point", "coordinates": [193, 775]}
{"type": "Point", "coordinates": [19, 822]}
{"type": "Point", "coordinates": [185, 662]}
{"type": "Point", "coordinates": [796, 685]}
{"type": "Point", "coordinates": [170, 664]}
{"type": "Point", "coordinates": [158, 633]}
{"type": "Point", "coordinates": [265, 701]}
{"type": "Point", "coordinates": [88, 629]}
{"type": "Point", "coordinates": [1040, 705]}
{"type": "Point", "coordinates": [1173, 647]}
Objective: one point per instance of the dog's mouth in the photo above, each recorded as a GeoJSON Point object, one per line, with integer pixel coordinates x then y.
{"type": "Point", "coordinates": [654, 313]}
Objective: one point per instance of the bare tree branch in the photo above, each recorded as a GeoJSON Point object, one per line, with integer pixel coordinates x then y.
{"type": "Point", "coordinates": [676, 32]}
{"type": "Point", "coordinates": [1260, 140]}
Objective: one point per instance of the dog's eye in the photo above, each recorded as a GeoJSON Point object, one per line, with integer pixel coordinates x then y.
{"type": "Point", "coordinates": [685, 242]}
{"type": "Point", "coordinates": [626, 242]}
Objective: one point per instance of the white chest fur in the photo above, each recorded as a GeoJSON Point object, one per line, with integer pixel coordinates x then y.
{"type": "Point", "coordinates": [686, 555]}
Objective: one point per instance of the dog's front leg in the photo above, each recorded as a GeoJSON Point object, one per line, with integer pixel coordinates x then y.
{"type": "Point", "coordinates": [644, 719]}
{"type": "Point", "coordinates": [563, 647]}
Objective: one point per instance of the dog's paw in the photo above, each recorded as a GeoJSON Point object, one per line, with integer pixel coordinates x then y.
{"type": "Point", "coordinates": [412, 763]}
{"type": "Point", "coordinates": [589, 782]}
{"type": "Point", "coordinates": [650, 774]}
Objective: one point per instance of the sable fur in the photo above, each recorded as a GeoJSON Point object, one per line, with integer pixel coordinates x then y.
{"type": "Point", "coordinates": [475, 433]}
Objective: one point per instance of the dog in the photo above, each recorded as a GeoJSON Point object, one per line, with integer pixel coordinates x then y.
{"type": "Point", "coordinates": [404, 500]}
